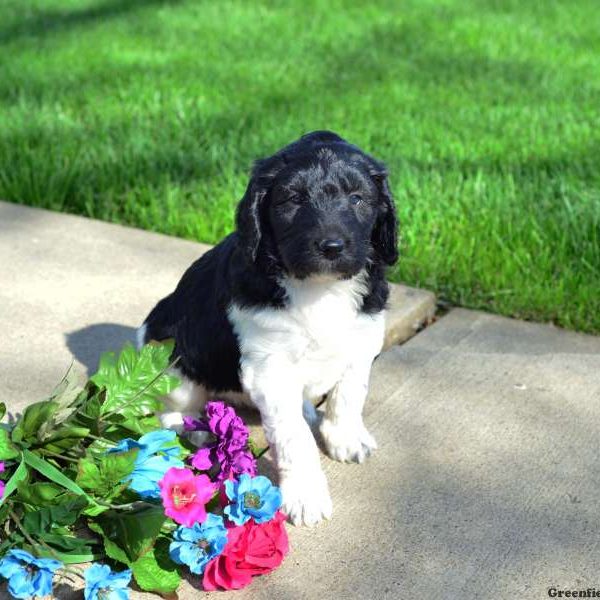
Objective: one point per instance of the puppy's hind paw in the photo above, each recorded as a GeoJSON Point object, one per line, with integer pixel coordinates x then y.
{"type": "Point", "coordinates": [347, 443]}
{"type": "Point", "coordinates": [306, 500]}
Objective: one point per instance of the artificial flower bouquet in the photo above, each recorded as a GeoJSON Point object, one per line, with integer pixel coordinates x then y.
{"type": "Point", "coordinates": [88, 476]}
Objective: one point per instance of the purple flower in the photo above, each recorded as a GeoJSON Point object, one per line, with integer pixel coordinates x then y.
{"type": "Point", "coordinates": [202, 459]}
{"type": "Point", "coordinates": [229, 449]}
{"type": "Point", "coordinates": [243, 462]}
{"type": "Point", "coordinates": [191, 424]}
{"type": "Point", "coordinates": [228, 427]}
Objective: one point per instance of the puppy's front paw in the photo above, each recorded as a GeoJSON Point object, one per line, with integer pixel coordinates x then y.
{"type": "Point", "coordinates": [306, 500]}
{"type": "Point", "coordinates": [347, 443]}
{"type": "Point", "coordinates": [172, 419]}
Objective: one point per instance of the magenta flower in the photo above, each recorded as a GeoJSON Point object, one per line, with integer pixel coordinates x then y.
{"type": "Point", "coordinates": [191, 424]}
{"type": "Point", "coordinates": [227, 426]}
{"type": "Point", "coordinates": [185, 495]}
{"type": "Point", "coordinates": [2, 484]}
{"type": "Point", "coordinates": [243, 462]}
{"type": "Point", "coordinates": [229, 450]}
{"type": "Point", "coordinates": [202, 459]}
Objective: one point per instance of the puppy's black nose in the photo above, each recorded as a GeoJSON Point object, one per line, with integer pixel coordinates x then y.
{"type": "Point", "coordinates": [331, 248]}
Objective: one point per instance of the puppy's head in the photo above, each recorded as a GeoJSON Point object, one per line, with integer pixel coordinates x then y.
{"type": "Point", "coordinates": [320, 206]}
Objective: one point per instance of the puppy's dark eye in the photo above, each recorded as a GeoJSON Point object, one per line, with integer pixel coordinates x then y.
{"type": "Point", "coordinates": [355, 199]}
{"type": "Point", "coordinates": [295, 198]}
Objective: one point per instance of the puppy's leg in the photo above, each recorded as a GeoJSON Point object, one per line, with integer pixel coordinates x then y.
{"type": "Point", "coordinates": [342, 428]}
{"type": "Point", "coordinates": [344, 433]}
{"type": "Point", "coordinates": [306, 498]}
{"type": "Point", "coordinates": [188, 399]}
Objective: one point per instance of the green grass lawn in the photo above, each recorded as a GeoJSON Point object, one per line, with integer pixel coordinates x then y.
{"type": "Point", "coordinates": [487, 113]}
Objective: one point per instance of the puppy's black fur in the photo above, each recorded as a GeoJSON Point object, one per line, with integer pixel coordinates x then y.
{"type": "Point", "coordinates": [319, 187]}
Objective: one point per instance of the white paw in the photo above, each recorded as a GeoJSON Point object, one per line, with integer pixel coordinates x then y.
{"type": "Point", "coordinates": [347, 443]}
{"type": "Point", "coordinates": [172, 420]}
{"type": "Point", "coordinates": [306, 499]}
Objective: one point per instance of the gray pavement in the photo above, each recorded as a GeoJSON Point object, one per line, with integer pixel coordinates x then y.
{"type": "Point", "coordinates": [486, 482]}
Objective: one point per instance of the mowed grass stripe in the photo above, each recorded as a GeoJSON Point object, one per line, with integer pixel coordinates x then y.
{"type": "Point", "coordinates": [150, 113]}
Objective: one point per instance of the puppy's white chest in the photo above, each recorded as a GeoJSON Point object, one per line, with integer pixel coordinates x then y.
{"type": "Point", "coordinates": [322, 319]}
{"type": "Point", "coordinates": [313, 338]}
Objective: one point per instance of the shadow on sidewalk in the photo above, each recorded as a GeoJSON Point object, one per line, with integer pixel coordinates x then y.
{"type": "Point", "coordinates": [89, 343]}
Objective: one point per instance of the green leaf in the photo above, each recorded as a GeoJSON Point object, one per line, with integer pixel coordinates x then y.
{"type": "Point", "coordinates": [2, 410]}
{"type": "Point", "coordinates": [67, 396]}
{"type": "Point", "coordinates": [7, 450]}
{"type": "Point", "coordinates": [134, 532]}
{"type": "Point", "coordinates": [93, 510]}
{"type": "Point", "coordinates": [89, 411]}
{"type": "Point", "coordinates": [63, 438]}
{"type": "Point", "coordinates": [135, 381]}
{"type": "Point", "coordinates": [155, 571]}
{"type": "Point", "coordinates": [52, 473]}
{"type": "Point", "coordinates": [88, 473]}
{"type": "Point", "coordinates": [40, 493]}
{"type": "Point", "coordinates": [69, 558]}
{"type": "Point", "coordinates": [66, 542]}
{"type": "Point", "coordinates": [13, 540]}
{"type": "Point", "coordinates": [140, 425]}
{"type": "Point", "coordinates": [34, 416]}
{"type": "Point", "coordinates": [105, 477]}
{"type": "Point", "coordinates": [11, 485]}
{"type": "Point", "coordinates": [46, 518]}
{"type": "Point", "coordinates": [99, 447]}
{"type": "Point", "coordinates": [3, 514]}
{"type": "Point", "coordinates": [115, 552]}
{"type": "Point", "coordinates": [71, 433]}
{"type": "Point", "coordinates": [255, 449]}
{"type": "Point", "coordinates": [112, 549]}
{"type": "Point", "coordinates": [116, 466]}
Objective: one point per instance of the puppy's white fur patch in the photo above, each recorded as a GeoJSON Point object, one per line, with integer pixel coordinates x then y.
{"type": "Point", "coordinates": [319, 343]}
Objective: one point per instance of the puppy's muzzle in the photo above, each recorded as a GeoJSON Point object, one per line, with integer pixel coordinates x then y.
{"type": "Point", "coordinates": [332, 247]}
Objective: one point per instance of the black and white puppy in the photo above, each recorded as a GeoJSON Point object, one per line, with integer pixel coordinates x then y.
{"type": "Point", "coordinates": [290, 307]}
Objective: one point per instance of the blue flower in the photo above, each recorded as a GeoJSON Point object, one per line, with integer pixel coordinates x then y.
{"type": "Point", "coordinates": [152, 461]}
{"type": "Point", "coordinates": [102, 584]}
{"type": "Point", "coordinates": [254, 497]}
{"type": "Point", "coordinates": [28, 576]}
{"type": "Point", "coordinates": [195, 546]}
{"type": "Point", "coordinates": [149, 444]}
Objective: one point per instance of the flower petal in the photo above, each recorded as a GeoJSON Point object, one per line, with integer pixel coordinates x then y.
{"type": "Point", "coordinates": [152, 442]}
{"type": "Point", "coordinates": [201, 459]}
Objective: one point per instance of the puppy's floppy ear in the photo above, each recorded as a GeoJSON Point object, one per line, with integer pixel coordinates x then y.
{"type": "Point", "coordinates": [248, 219]}
{"type": "Point", "coordinates": [248, 216]}
{"type": "Point", "coordinates": [385, 231]}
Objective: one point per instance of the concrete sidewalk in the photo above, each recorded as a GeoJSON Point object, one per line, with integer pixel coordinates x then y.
{"type": "Point", "coordinates": [72, 288]}
{"type": "Point", "coordinates": [486, 483]}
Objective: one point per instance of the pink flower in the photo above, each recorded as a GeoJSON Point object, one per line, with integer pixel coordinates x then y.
{"type": "Point", "coordinates": [185, 495]}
